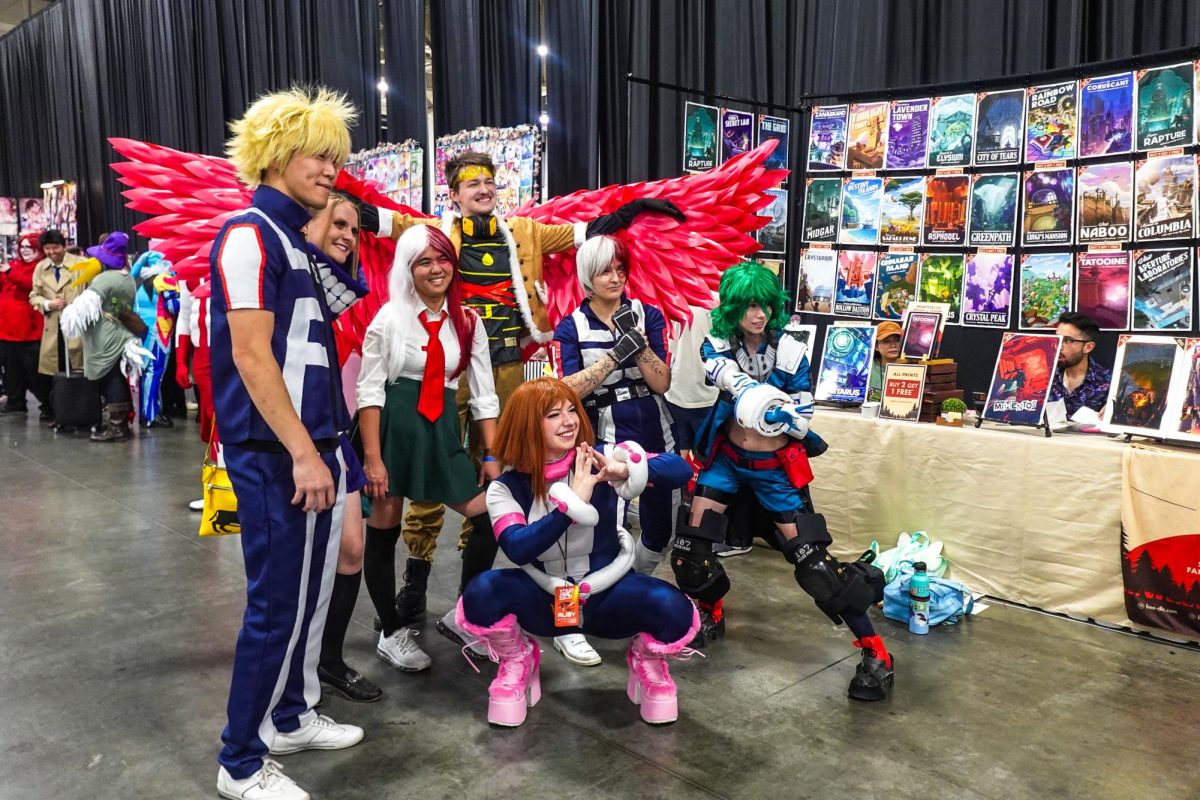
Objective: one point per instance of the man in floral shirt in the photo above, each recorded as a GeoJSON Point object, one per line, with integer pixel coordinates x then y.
{"type": "Point", "coordinates": [1080, 380]}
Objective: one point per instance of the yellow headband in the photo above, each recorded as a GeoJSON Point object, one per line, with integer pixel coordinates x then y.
{"type": "Point", "coordinates": [472, 172]}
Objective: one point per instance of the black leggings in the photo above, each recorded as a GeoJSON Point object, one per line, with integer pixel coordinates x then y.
{"type": "Point", "coordinates": [114, 387]}
{"type": "Point", "coordinates": [20, 361]}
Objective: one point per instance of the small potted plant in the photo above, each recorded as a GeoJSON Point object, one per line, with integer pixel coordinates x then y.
{"type": "Point", "coordinates": [952, 412]}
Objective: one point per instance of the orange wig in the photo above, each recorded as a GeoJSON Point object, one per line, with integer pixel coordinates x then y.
{"type": "Point", "coordinates": [519, 442]}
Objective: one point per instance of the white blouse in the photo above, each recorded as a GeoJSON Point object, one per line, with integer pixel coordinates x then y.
{"type": "Point", "coordinates": [393, 349]}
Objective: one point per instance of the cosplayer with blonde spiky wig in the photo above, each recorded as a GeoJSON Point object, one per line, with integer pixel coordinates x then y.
{"type": "Point", "coordinates": [757, 437]}
{"type": "Point", "coordinates": [309, 121]}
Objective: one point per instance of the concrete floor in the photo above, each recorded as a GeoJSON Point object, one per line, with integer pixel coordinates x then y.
{"type": "Point", "coordinates": [119, 628]}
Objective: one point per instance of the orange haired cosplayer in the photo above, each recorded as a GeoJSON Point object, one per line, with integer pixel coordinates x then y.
{"type": "Point", "coordinates": [519, 441]}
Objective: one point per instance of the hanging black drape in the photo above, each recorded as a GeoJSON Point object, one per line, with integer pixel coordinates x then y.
{"type": "Point", "coordinates": [485, 63]}
{"type": "Point", "coordinates": [168, 71]}
{"type": "Point", "coordinates": [572, 71]}
{"type": "Point", "coordinates": [404, 64]}
{"type": "Point", "coordinates": [783, 51]}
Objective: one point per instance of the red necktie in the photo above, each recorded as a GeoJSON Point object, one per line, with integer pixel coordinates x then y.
{"type": "Point", "coordinates": [433, 384]}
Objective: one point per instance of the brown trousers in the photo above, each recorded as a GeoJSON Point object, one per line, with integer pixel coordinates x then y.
{"type": "Point", "coordinates": [423, 521]}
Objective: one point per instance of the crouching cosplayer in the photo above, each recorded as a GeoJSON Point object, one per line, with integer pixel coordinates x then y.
{"type": "Point", "coordinates": [757, 436]}
{"type": "Point", "coordinates": [557, 514]}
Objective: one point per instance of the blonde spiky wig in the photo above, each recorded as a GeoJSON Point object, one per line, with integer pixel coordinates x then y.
{"type": "Point", "coordinates": [278, 126]}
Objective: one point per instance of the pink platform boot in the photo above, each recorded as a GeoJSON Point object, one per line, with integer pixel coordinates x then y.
{"type": "Point", "coordinates": [517, 685]}
{"type": "Point", "coordinates": [650, 686]}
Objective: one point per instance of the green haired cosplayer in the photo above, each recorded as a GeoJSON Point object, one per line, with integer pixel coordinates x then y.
{"type": "Point", "coordinates": [743, 284]}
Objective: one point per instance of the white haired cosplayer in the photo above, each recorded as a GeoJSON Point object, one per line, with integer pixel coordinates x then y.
{"type": "Point", "coordinates": [401, 289]}
{"type": "Point", "coordinates": [592, 258]}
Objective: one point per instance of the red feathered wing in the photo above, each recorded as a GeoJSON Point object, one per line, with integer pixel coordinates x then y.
{"type": "Point", "coordinates": [190, 196]}
{"type": "Point", "coordinates": [674, 264]}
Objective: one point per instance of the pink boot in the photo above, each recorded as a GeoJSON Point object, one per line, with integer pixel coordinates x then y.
{"type": "Point", "coordinates": [650, 686]}
{"type": "Point", "coordinates": [517, 685]}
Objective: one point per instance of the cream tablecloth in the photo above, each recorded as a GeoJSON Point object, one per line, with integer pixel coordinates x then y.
{"type": "Point", "coordinates": [1024, 518]}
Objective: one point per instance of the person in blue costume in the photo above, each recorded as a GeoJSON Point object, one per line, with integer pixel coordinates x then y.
{"type": "Point", "coordinates": [613, 352]}
{"type": "Point", "coordinates": [556, 514]}
{"type": "Point", "coordinates": [757, 436]}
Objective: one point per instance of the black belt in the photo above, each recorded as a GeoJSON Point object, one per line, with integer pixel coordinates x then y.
{"type": "Point", "coordinates": [610, 397]}
{"type": "Point", "coordinates": [273, 446]}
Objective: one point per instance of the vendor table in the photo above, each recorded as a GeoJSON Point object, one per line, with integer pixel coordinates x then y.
{"type": "Point", "coordinates": [1024, 518]}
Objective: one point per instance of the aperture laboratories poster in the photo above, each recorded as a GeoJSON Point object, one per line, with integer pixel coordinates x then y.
{"type": "Point", "coordinates": [1050, 114]}
{"type": "Point", "coordinates": [1162, 289]}
{"type": "Point", "coordinates": [908, 132]}
{"type": "Point", "coordinates": [827, 138]}
{"type": "Point", "coordinates": [999, 128]}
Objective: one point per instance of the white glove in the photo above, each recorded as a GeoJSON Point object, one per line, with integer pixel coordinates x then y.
{"type": "Point", "coordinates": [135, 359]}
{"type": "Point", "coordinates": [81, 314]}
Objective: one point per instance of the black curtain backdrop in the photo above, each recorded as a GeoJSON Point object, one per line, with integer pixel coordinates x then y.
{"type": "Point", "coordinates": [572, 100]}
{"type": "Point", "coordinates": [404, 68]}
{"type": "Point", "coordinates": [169, 71]}
{"type": "Point", "coordinates": [485, 63]}
{"type": "Point", "coordinates": [790, 52]}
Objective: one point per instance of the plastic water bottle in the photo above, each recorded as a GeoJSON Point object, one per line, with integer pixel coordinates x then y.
{"type": "Point", "coordinates": [918, 597]}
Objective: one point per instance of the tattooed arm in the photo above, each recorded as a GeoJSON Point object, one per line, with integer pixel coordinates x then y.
{"type": "Point", "coordinates": [654, 371]}
{"type": "Point", "coordinates": [588, 380]}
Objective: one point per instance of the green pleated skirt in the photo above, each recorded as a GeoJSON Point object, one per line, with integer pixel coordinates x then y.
{"type": "Point", "coordinates": [425, 460]}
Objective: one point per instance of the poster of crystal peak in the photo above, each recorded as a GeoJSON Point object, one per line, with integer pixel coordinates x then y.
{"type": "Point", "coordinates": [987, 290]}
{"type": "Point", "coordinates": [1022, 377]}
{"type": "Point", "coordinates": [1050, 114]}
{"type": "Point", "coordinates": [1165, 106]}
{"type": "Point", "coordinates": [827, 138]}
{"type": "Point", "coordinates": [999, 127]}
{"type": "Point", "coordinates": [951, 131]}
{"type": "Point", "coordinates": [701, 137]}
{"type": "Point", "coordinates": [1105, 205]}
{"type": "Point", "coordinates": [1162, 289]}
{"type": "Point", "coordinates": [908, 132]}
{"type": "Point", "coordinates": [866, 138]}
{"type": "Point", "coordinates": [992, 220]}
{"type": "Point", "coordinates": [1106, 115]}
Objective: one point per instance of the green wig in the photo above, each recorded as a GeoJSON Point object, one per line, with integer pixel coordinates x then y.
{"type": "Point", "coordinates": [743, 284]}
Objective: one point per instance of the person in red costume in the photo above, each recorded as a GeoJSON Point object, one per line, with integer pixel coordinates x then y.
{"type": "Point", "coordinates": [191, 350]}
{"type": "Point", "coordinates": [21, 331]}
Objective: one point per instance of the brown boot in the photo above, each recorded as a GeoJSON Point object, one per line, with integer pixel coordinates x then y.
{"type": "Point", "coordinates": [115, 426]}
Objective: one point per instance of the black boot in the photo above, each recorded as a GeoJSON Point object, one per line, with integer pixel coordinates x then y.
{"type": "Point", "coordinates": [873, 678]}
{"type": "Point", "coordinates": [712, 624]}
{"type": "Point", "coordinates": [115, 427]}
{"type": "Point", "coordinates": [410, 600]}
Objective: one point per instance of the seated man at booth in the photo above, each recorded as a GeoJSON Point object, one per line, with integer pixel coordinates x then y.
{"type": "Point", "coordinates": [1080, 379]}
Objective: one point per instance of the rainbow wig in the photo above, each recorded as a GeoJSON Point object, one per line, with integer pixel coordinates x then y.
{"type": "Point", "coordinates": [743, 284]}
{"type": "Point", "coordinates": [280, 125]}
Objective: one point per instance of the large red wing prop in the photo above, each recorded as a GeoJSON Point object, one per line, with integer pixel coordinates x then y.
{"type": "Point", "coordinates": [675, 264]}
{"type": "Point", "coordinates": [190, 196]}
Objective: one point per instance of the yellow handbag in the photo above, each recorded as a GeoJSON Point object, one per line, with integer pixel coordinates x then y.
{"type": "Point", "coordinates": [220, 515]}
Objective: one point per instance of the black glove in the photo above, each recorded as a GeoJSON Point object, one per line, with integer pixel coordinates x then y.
{"type": "Point", "coordinates": [624, 320]}
{"type": "Point", "coordinates": [624, 216]}
{"type": "Point", "coordinates": [628, 344]}
{"type": "Point", "coordinates": [368, 218]}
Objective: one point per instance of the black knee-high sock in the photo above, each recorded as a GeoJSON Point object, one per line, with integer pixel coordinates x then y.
{"type": "Point", "coordinates": [379, 571]}
{"type": "Point", "coordinates": [480, 552]}
{"type": "Point", "coordinates": [341, 607]}
{"type": "Point", "coordinates": [859, 624]}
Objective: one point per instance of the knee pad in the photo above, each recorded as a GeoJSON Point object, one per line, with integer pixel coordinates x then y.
{"type": "Point", "coordinates": [698, 571]}
{"type": "Point", "coordinates": [716, 495]}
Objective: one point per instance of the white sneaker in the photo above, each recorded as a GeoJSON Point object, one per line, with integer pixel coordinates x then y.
{"type": "Point", "coordinates": [269, 783]}
{"type": "Point", "coordinates": [401, 651]}
{"type": "Point", "coordinates": [321, 733]}
{"type": "Point", "coordinates": [726, 550]}
{"type": "Point", "coordinates": [575, 648]}
{"type": "Point", "coordinates": [196, 505]}
{"type": "Point", "coordinates": [448, 626]}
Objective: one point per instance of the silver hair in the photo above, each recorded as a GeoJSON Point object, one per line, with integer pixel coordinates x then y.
{"type": "Point", "coordinates": [592, 258]}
